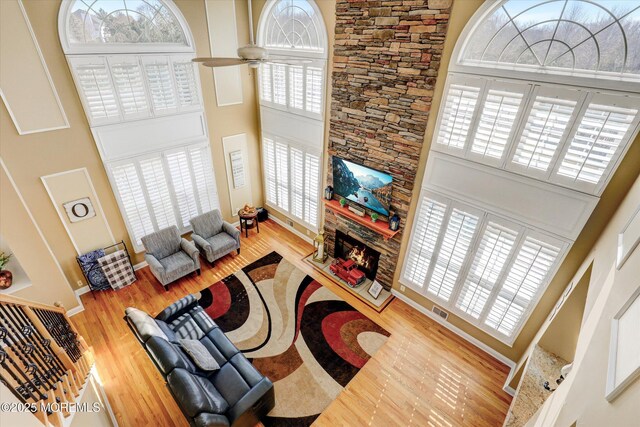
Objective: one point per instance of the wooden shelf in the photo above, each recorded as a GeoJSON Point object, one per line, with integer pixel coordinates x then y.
{"type": "Point", "coordinates": [381, 227]}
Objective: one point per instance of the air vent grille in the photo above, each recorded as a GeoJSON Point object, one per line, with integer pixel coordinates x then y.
{"type": "Point", "coordinates": [440, 312]}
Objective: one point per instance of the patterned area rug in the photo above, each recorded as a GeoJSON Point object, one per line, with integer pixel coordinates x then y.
{"type": "Point", "coordinates": [306, 339]}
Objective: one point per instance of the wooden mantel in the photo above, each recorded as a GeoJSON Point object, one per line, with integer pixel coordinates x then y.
{"type": "Point", "coordinates": [381, 227]}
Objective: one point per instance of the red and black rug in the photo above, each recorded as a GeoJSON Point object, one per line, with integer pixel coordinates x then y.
{"type": "Point", "coordinates": [302, 336]}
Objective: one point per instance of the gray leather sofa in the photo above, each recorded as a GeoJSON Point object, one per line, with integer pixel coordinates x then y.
{"type": "Point", "coordinates": [234, 395]}
{"type": "Point", "coordinates": [213, 236]}
{"type": "Point", "coordinates": [170, 256]}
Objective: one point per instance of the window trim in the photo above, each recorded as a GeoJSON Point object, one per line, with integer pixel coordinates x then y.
{"type": "Point", "coordinates": [115, 48]}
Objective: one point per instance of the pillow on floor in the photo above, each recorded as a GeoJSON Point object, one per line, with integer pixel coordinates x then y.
{"type": "Point", "coordinates": [144, 324]}
{"type": "Point", "coordinates": [200, 355]}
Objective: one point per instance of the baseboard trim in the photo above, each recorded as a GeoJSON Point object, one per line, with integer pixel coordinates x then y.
{"type": "Point", "coordinates": [140, 265]}
{"type": "Point", "coordinates": [75, 310]}
{"type": "Point", "coordinates": [482, 346]}
{"type": "Point", "coordinates": [83, 290]}
{"type": "Point", "coordinates": [290, 228]}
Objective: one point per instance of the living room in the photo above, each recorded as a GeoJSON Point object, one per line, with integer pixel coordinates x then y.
{"type": "Point", "coordinates": [329, 212]}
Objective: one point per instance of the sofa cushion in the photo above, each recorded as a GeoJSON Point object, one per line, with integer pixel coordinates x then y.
{"type": "Point", "coordinates": [186, 328]}
{"type": "Point", "coordinates": [171, 336]}
{"type": "Point", "coordinates": [168, 356]}
{"type": "Point", "coordinates": [177, 308]}
{"type": "Point", "coordinates": [230, 383]}
{"type": "Point", "coordinates": [249, 373]}
{"type": "Point", "coordinates": [202, 319]}
{"type": "Point", "coordinates": [199, 355]}
{"type": "Point", "coordinates": [222, 243]}
{"type": "Point", "coordinates": [195, 394]}
{"type": "Point", "coordinates": [208, 224]}
{"type": "Point", "coordinates": [178, 264]}
{"type": "Point", "coordinates": [222, 343]}
{"type": "Point", "coordinates": [162, 243]}
{"type": "Point", "coordinates": [144, 324]}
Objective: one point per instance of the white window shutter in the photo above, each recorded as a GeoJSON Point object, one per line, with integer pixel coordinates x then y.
{"type": "Point", "coordinates": [498, 117]}
{"type": "Point", "coordinates": [282, 174]}
{"type": "Point", "coordinates": [186, 77]}
{"type": "Point", "coordinates": [457, 112]}
{"type": "Point", "coordinates": [311, 189]}
{"type": "Point", "coordinates": [602, 133]}
{"type": "Point", "coordinates": [205, 180]}
{"type": "Point", "coordinates": [424, 236]}
{"type": "Point", "coordinates": [269, 162]}
{"type": "Point", "coordinates": [157, 190]}
{"type": "Point", "coordinates": [182, 183]}
{"type": "Point", "coordinates": [279, 83]}
{"type": "Point", "coordinates": [487, 267]}
{"type": "Point", "coordinates": [96, 89]}
{"type": "Point", "coordinates": [527, 277]}
{"type": "Point", "coordinates": [126, 72]}
{"type": "Point", "coordinates": [452, 252]}
{"type": "Point", "coordinates": [266, 88]}
{"type": "Point", "coordinates": [296, 87]}
{"type": "Point", "coordinates": [314, 89]}
{"type": "Point", "coordinates": [160, 81]}
{"type": "Point", "coordinates": [297, 182]}
{"type": "Point", "coordinates": [548, 121]}
{"type": "Point", "coordinates": [132, 201]}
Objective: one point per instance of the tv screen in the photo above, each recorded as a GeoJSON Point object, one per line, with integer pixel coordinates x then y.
{"type": "Point", "coordinates": [365, 186]}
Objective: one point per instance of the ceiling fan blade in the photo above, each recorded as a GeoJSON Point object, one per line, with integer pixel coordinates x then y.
{"type": "Point", "coordinates": [220, 62]}
{"type": "Point", "coordinates": [288, 61]}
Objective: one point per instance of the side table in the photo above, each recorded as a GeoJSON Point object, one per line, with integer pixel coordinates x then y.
{"type": "Point", "coordinates": [248, 221]}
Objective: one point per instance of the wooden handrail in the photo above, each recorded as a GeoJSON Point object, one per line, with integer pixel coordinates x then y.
{"type": "Point", "coordinates": [43, 359]}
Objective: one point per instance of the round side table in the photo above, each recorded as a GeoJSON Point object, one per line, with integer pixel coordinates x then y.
{"type": "Point", "coordinates": [248, 221]}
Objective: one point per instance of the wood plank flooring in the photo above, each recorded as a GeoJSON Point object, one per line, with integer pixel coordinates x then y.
{"type": "Point", "coordinates": [423, 376]}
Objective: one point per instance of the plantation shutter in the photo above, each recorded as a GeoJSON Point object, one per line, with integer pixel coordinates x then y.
{"type": "Point", "coordinates": [182, 182]}
{"type": "Point", "coordinates": [524, 282]}
{"type": "Point", "coordinates": [157, 190]}
{"type": "Point", "coordinates": [296, 87]}
{"type": "Point", "coordinates": [279, 83]}
{"type": "Point", "coordinates": [497, 119]}
{"type": "Point", "coordinates": [96, 89]}
{"type": "Point", "coordinates": [597, 141]}
{"type": "Point", "coordinates": [129, 84]}
{"type": "Point", "coordinates": [266, 88]}
{"type": "Point", "coordinates": [314, 89]}
{"type": "Point", "coordinates": [297, 182]}
{"type": "Point", "coordinates": [452, 252]}
{"type": "Point", "coordinates": [282, 174]}
{"type": "Point", "coordinates": [424, 236]}
{"type": "Point", "coordinates": [268, 148]}
{"type": "Point", "coordinates": [186, 83]}
{"type": "Point", "coordinates": [132, 201]}
{"type": "Point", "coordinates": [547, 123]}
{"type": "Point", "coordinates": [161, 87]}
{"type": "Point", "coordinates": [311, 190]}
{"type": "Point", "coordinates": [205, 180]}
{"type": "Point", "coordinates": [486, 269]}
{"type": "Point", "coordinates": [458, 110]}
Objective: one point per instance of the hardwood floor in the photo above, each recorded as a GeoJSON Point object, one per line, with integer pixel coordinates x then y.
{"type": "Point", "coordinates": [424, 375]}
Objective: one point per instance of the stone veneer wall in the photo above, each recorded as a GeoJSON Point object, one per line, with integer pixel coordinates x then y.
{"type": "Point", "coordinates": [386, 59]}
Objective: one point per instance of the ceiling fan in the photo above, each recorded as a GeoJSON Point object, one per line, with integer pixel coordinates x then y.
{"type": "Point", "coordinates": [251, 54]}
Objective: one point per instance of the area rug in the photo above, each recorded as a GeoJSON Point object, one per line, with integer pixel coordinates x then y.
{"type": "Point", "coordinates": [302, 336]}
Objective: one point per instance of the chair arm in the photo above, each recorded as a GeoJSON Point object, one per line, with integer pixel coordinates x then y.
{"type": "Point", "coordinates": [232, 231]}
{"type": "Point", "coordinates": [190, 249]}
{"type": "Point", "coordinates": [200, 241]}
{"type": "Point", "coordinates": [206, 419]}
{"type": "Point", "coordinates": [153, 262]}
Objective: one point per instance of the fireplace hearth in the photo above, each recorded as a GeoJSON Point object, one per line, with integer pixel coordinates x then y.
{"type": "Point", "coordinates": [348, 247]}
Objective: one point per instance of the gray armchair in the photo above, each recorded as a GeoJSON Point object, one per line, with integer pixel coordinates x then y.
{"type": "Point", "coordinates": [213, 236]}
{"type": "Point", "coordinates": [169, 256]}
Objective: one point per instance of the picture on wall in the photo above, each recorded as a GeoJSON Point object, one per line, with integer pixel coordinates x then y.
{"type": "Point", "coordinates": [79, 210]}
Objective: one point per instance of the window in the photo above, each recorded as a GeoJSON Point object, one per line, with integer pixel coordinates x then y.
{"type": "Point", "coordinates": [292, 175]}
{"type": "Point", "coordinates": [292, 25]}
{"type": "Point", "coordinates": [295, 88]}
{"type": "Point", "coordinates": [164, 189]}
{"type": "Point", "coordinates": [487, 269]}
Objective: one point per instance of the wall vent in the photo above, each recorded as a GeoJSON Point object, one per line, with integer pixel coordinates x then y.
{"type": "Point", "coordinates": [440, 312]}
{"type": "Point", "coordinates": [289, 223]}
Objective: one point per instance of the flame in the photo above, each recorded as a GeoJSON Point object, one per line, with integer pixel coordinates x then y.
{"type": "Point", "coordinates": [360, 256]}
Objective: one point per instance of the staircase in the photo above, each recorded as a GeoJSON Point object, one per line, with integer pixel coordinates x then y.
{"type": "Point", "coordinates": [43, 360]}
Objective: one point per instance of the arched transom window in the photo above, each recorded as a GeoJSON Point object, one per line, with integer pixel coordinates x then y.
{"type": "Point", "coordinates": [292, 24]}
{"type": "Point", "coordinates": [594, 37]}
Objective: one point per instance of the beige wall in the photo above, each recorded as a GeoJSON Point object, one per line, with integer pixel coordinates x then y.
{"type": "Point", "coordinates": [581, 397]}
{"type": "Point", "coordinates": [629, 169]}
{"type": "Point", "coordinates": [29, 157]}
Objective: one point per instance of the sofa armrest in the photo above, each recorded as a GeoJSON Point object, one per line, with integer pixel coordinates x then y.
{"type": "Point", "coordinates": [257, 402]}
{"type": "Point", "coordinates": [177, 308]}
{"type": "Point", "coordinates": [206, 419]}
{"type": "Point", "coordinates": [201, 242]}
{"type": "Point", "coordinates": [166, 356]}
{"type": "Point", "coordinates": [190, 249]}
{"type": "Point", "coordinates": [231, 231]}
{"type": "Point", "coordinates": [154, 264]}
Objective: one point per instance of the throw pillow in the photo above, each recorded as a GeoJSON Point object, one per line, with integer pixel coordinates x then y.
{"type": "Point", "coordinates": [200, 355]}
{"type": "Point", "coordinates": [144, 324]}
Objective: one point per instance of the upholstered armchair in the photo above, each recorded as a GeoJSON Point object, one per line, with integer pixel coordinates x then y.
{"type": "Point", "coordinates": [169, 256]}
{"type": "Point", "coordinates": [213, 236]}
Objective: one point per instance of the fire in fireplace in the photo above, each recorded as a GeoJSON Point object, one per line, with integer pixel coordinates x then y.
{"type": "Point", "coordinates": [348, 247]}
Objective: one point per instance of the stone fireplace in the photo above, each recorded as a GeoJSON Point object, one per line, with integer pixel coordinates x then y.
{"type": "Point", "coordinates": [349, 247]}
{"type": "Point", "coordinates": [386, 59]}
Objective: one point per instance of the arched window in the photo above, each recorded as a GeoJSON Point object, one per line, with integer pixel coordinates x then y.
{"type": "Point", "coordinates": [131, 63]}
{"type": "Point", "coordinates": [293, 92]}
{"type": "Point", "coordinates": [541, 102]}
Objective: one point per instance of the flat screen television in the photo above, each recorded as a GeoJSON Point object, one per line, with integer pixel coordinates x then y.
{"type": "Point", "coordinates": [365, 186]}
